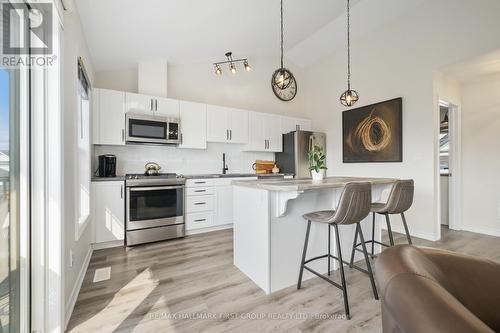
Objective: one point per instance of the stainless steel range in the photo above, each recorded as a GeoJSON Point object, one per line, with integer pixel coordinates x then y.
{"type": "Point", "coordinates": [154, 207]}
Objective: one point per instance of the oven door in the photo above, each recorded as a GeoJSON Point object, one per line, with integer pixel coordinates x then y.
{"type": "Point", "coordinates": [146, 129]}
{"type": "Point", "coordinates": [154, 206]}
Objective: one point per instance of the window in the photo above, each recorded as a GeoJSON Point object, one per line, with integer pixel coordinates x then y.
{"type": "Point", "coordinates": [83, 151]}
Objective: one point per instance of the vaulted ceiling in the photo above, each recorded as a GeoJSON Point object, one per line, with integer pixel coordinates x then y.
{"type": "Point", "coordinates": [122, 32]}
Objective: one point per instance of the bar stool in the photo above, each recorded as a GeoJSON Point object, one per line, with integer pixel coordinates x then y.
{"type": "Point", "coordinates": [399, 201]}
{"type": "Point", "coordinates": [354, 205]}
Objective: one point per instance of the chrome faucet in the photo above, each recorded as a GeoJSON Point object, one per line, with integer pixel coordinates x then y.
{"type": "Point", "coordinates": [224, 165]}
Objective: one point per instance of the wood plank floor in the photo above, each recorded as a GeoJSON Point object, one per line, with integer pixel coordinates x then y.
{"type": "Point", "coordinates": [191, 285]}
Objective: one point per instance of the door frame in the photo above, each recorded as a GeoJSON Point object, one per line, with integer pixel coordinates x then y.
{"type": "Point", "coordinates": [455, 153]}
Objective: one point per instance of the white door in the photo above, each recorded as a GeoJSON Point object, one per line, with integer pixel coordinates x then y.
{"type": "Point", "coordinates": [193, 125]}
{"type": "Point", "coordinates": [166, 107]}
{"type": "Point", "coordinates": [238, 120]}
{"type": "Point", "coordinates": [273, 133]}
{"type": "Point", "coordinates": [217, 123]}
{"type": "Point", "coordinates": [224, 211]}
{"type": "Point", "coordinates": [111, 119]}
{"type": "Point", "coordinates": [139, 103]}
{"type": "Point", "coordinates": [109, 207]}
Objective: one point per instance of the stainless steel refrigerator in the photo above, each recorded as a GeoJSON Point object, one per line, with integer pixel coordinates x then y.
{"type": "Point", "coordinates": [296, 146]}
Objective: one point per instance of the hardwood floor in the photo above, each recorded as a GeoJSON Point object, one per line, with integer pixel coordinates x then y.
{"type": "Point", "coordinates": [162, 287]}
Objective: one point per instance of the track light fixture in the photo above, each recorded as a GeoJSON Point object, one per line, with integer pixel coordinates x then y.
{"type": "Point", "coordinates": [232, 64]}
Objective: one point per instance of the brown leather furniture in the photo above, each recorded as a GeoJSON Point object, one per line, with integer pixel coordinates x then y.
{"type": "Point", "coordinates": [429, 290]}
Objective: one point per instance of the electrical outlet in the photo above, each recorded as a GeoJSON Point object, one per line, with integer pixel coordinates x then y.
{"type": "Point", "coordinates": [71, 258]}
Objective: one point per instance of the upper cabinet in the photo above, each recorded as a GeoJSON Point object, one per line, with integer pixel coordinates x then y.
{"type": "Point", "coordinates": [167, 107]}
{"type": "Point", "coordinates": [265, 132]}
{"type": "Point", "coordinates": [152, 105]}
{"type": "Point", "coordinates": [193, 125]}
{"type": "Point", "coordinates": [290, 124]}
{"type": "Point", "coordinates": [108, 117]}
{"type": "Point", "coordinates": [227, 124]}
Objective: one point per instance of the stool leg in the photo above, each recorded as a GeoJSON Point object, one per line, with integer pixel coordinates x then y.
{"type": "Point", "coordinates": [389, 230]}
{"type": "Point", "coordinates": [329, 235]}
{"type": "Point", "coordinates": [406, 228]}
{"type": "Point", "coordinates": [299, 283]}
{"type": "Point", "coordinates": [368, 266]}
{"type": "Point", "coordinates": [373, 235]}
{"type": "Point", "coordinates": [354, 248]}
{"type": "Point", "coordinates": [344, 285]}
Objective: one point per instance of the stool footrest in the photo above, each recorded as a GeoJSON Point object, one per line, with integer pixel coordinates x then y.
{"type": "Point", "coordinates": [336, 258]}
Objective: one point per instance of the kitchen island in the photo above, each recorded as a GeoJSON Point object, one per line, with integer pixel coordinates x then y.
{"type": "Point", "coordinates": [269, 230]}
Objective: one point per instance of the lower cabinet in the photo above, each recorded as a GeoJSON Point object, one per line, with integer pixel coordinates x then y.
{"type": "Point", "coordinates": [109, 211]}
{"type": "Point", "coordinates": [209, 204]}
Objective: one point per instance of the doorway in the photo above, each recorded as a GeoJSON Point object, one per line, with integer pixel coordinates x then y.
{"type": "Point", "coordinates": [449, 166]}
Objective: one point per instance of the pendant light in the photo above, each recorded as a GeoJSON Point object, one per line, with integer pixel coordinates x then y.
{"type": "Point", "coordinates": [349, 97]}
{"type": "Point", "coordinates": [282, 78]}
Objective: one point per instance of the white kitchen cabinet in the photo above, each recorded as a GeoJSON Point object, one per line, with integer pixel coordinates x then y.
{"type": "Point", "coordinates": [273, 132]}
{"type": "Point", "coordinates": [226, 124]}
{"type": "Point", "coordinates": [147, 104]}
{"type": "Point", "coordinates": [289, 124]}
{"type": "Point", "coordinates": [265, 133]}
{"type": "Point", "coordinates": [166, 107]}
{"type": "Point", "coordinates": [108, 117]}
{"type": "Point", "coordinates": [193, 125]}
{"type": "Point", "coordinates": [209, 204]}
{"type": "Point", "coordinates": [109, 208]}
{"type": "Point", "coordinates": [139, 103]}
{"type": "Point", "coordinates": [238, 126]}
{"type": "Point", "coordinates": [224, 207]}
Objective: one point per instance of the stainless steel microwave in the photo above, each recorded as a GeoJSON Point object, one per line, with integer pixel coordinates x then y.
{"type": "Point", "coordinates": [144, 128]}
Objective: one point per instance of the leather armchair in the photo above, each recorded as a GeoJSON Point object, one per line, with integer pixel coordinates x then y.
{"type": "Point", "coordinates": [430, 290]}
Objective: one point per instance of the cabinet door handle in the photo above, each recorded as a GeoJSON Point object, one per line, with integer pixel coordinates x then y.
{"type": "Point", "coordinates": [121, 191]}
{"type": "Point", "coordinates": [200, 220]}
{"type": "Point", "coordinates": [123, 135]}
{"type": "Point", "coordinates": [230, 134]}
{"type": "Point", "coordinates": [200, 182]}
{"type": "Point", "coordinates": [151, 106]}
{"type": "Point", "coordinates": [181, 138]}
{"type": "Point", "coordinates": [199, 191]}
{"type": "Point", "coordinates": [200, 203]}
{"type": "Point", "coordinates": [227, 134]}
{"type": "Point", "coordinates": [156, 105]}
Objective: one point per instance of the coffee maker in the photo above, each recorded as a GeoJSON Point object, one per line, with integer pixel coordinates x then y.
{"type": "Point", "coordinates": [107, 166]}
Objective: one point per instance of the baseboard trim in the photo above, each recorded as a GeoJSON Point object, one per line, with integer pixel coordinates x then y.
{"type": "Point", "coordinates": [482, 230]}
{"type": "Point", "coordinates": [70, 304]}
{"type": "Point", "coordinates": [427, 236]}
{"type": "Point", "coordinates": [107, 245]}
{"type": "Point", "coordinates": [209, 229]}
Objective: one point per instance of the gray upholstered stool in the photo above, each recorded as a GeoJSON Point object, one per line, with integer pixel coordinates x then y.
{"type": "Point", "coordinates": [354, 205]}
{"type": "Point", "coordinates": [399, 201]}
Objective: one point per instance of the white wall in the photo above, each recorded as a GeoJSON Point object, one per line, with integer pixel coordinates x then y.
{"type": "Point", "coordinates": [74, 46]}
{"type": "Point", "coordinates": [131, 159]}
{"type": "Point", "coordinates": [401, 60]}
{"type": "Point", "coordinates": [480, 157]}
{"type": "Point", "coordinates": [198, 83]}
{"type": "Point", "coordinates": [124, 80]}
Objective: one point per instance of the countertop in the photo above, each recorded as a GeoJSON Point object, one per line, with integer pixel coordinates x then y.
{"type": "Point", "coordinates": [286, 185]}
{"type": "Point", "coordinates": [203, 176]}
{"type": "Point", "coordinates": [236, 175]}
{"type": "Point", "coordinates": [108, 179]}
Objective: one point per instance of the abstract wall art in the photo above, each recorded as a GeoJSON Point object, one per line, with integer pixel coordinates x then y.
{"type": "Point", "coordinates": [373, 133]}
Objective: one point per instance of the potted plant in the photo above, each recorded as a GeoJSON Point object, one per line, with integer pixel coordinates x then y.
{"type": "Point", "coordinates": [317, 162]}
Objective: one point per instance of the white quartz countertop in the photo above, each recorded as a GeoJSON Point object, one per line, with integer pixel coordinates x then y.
{"type": "Point", "coordinates": [285, 185]}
